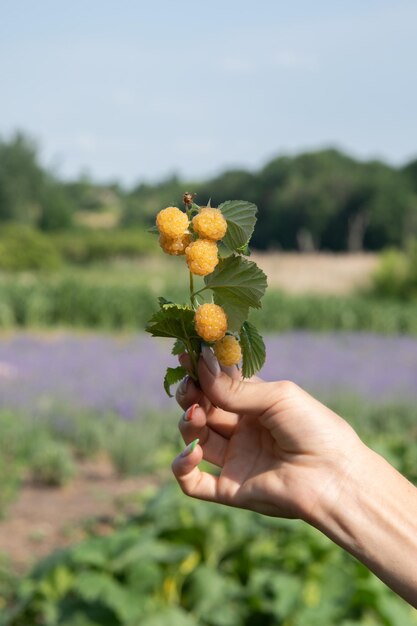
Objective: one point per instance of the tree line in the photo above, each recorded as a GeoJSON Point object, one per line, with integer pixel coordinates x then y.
{"type": "Point", "coordinates": [322, 200]}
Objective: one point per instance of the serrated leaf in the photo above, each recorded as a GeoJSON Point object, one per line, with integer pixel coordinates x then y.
{"type": "Point", "coordinates": [241, 219]}
{"type": "Point", "coordinates": [172, 320]}
{"type": "Point", "coordinates": [236, 312]}
{"type": "Point", "coordinates": [253, 350]}
{"type": "Point", "coordinates": [178, 348]}
{"type": "Point", "coordinates": [162, 301]}
{"type": "Point", "coordinates": [238, 280]}
{"type": "Point", "coordinates": [173, 375]}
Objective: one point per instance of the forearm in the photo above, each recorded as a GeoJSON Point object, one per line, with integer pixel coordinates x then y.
{"type": "Point", "coordinates": [375, 519]}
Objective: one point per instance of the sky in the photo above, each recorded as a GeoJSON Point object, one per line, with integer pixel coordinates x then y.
{"type": "Point", "coordinates": [138, 91]}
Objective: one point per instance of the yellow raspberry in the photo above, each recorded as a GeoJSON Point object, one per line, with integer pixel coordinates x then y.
{"type": "Point", "coordinates": [210, 322]}
{"type": "Point", "coordinates": [202, 257]}
{"type": "Point", "coordinates": [228, 351]}
{"type": "Point", "coordinates": [210, 224]}
{"type": "Point", "coordinates": [175, 246]}
{"type": "Point", "coordinates": [172, 222]}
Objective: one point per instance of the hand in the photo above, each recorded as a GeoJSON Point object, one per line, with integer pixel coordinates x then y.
{"type": "Point", "coordinates": [281, 452]}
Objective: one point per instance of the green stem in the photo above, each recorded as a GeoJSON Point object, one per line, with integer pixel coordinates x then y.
{"type": "Point", "coordinates": [192, 294]}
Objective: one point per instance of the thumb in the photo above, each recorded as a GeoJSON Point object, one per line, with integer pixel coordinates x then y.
{"type": "Point", "coordinates": [233, 394]}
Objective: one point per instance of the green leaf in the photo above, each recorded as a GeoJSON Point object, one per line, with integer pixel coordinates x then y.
{"type": "Point", "coordinates": [237, 284]}
{"type": "Point", "coordinates": [178, 348]}
{"type": "Point", "coordinates": [173, 320]}
{"type": "Point", "coordinates": [253, 350]}
{"type": "Point", "coordinates": [241, 218]}
{"type": "Point", "coordinates": [153, 230]}
{"type": "Point", "coordinates": [173, 375]}
{"type": "Point", "coordinates": [163, 301]}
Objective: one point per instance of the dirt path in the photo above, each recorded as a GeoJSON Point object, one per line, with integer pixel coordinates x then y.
{"type": "Point", "coordinates": [317, 273]}
{"type": "Point", "coordinates": [43, 519]}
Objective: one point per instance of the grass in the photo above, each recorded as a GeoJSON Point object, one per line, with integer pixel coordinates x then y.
{"type": "Point", "coordinates": [45, 451]}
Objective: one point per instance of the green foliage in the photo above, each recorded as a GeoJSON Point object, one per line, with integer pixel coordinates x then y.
{"type": "Point", "coordinates": [141, 445]}
{"type": "Point", "coordinates": [237, 284]}
{"type": "Point", "coordinates": [241, 218]}
{"type": "Point", "coordinates": [253, 349]}
{"type": "Point", "coordinates": [29, 194]}
{"type": "Point", "coordinates": [73, 302]}
{"type": "Point", "coordinates": [173, 375]}
{"type": "Point", "coordinates": [22, 248]}
{"type": "Point", "coordinates": [323, 200]}
{"type": "Point", "coordinates": [396, 276]}
{"type": "Point", "coordinates": [187, 562]}
{"type": "Point", "coordinates": [51, 463]}
{"type": "Point", "coordinates": [12, 449]}
{"type": "Point", "coordinates": [89, 246]}
{"type": "Point", "coordinates": [281, 312]}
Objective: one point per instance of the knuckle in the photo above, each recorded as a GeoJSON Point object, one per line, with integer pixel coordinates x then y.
{"type": "Point", "coordinates": [286, 388]}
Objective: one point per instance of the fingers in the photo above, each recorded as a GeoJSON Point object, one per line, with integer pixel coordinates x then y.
{"type": "Point", "coordinates": [193, 424]}
{"type": "Point", "coordinates": [188, 393]}
{"type": "Point", "coordinates": [191, 479]}
{"type": "Point", "coordinates": [233, 394]}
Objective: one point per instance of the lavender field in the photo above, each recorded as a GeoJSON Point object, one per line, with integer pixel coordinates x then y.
{"type": "Point", "coordinates": [43, 374]}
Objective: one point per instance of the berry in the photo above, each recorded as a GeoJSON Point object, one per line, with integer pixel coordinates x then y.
{"type": "Point", "coordinates": [172, 222]}
{"type": "Point", "coordinates": [202, 257]}
{"type": "Point", "coordinates": [210, 322]}
{"type": "Point", "coordinates": [210, 224]}
{"type": "Point", "coordinates": [228, 351]}
{"type": "Point", "coordinates": [175, 246]}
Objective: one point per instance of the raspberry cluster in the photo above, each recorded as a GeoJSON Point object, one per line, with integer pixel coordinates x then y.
{"type": "Point", "coordinates": [176, 239]}
{"type": "Point", "coordinates": [197, 240]}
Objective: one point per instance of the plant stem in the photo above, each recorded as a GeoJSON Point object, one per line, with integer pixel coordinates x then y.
{"type": "Point", "coordinates": [192, 294]}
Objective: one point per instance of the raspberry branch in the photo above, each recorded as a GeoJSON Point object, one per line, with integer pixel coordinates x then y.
{"type": "Point", "coordinates": [213, 241]}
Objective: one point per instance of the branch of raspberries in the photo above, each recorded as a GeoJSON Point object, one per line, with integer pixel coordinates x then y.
{"type": "Point", "coordinates": [214, 242]}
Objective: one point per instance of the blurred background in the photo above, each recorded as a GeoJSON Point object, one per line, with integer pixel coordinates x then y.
{"type": "Point", "coordinates": [108, 114]}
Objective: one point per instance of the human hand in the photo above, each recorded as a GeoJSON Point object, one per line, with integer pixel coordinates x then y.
{"type": "Point", "coordinates": [280, 451]}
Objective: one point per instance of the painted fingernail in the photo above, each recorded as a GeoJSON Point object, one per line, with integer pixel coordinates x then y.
{"type": "Point", "coordinates": [230, 370]}
{"type": "Point", "coordinates": [210, 360]}
{"type": "Point", "coordinates": [182, 387]}
{"type": "Point", "coordinates": [188, 449]}
{"type": "Point", "coordinates": [188, 415]}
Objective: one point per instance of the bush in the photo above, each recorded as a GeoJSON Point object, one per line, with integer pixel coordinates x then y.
{"type": "Point", "coordinates": [396, 276]}
{"type": "Point", "coordinates": [52, 463]}
{"type": "Point", "coordinates": [22, 248]}
{"type": "Point", "coordinates": [188, 563]}
{"type": "Point", "coordinates": [87, 246]}
{"type": "Point", "coordinates": [141, 446]}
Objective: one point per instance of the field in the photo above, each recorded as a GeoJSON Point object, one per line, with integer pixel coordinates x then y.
{"type": "Point", "coordinates": [87, 435]}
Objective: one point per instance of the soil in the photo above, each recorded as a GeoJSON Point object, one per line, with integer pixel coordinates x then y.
{"type": "Point", "coordinates": [43, 519]}
{"type": "Point", "coordinates": [320, 273]}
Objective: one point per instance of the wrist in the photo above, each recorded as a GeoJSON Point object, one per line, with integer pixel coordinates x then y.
{"type": "Point", "coordinates": [374, 517]}
{"type": "Point", "coordinates": [339, 483]}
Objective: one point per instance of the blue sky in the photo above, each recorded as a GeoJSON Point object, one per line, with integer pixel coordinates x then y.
{"type": "Point", "coordinates": [135, 91]}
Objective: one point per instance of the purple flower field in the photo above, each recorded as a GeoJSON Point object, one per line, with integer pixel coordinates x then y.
{"type": "Point", "coordinates": [39, 374]}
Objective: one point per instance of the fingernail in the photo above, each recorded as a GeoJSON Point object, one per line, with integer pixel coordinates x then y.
{"type": "Point", "coordinates": [187, 450]}
{"type": "Point", "coordinates": [230, 370]}
{"type": "Point", "coordinates": [182, 387]}
{"type": "Point", "coordinates": [188, 415]}
{"type": "Point", "coordinates": [210, 360]}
